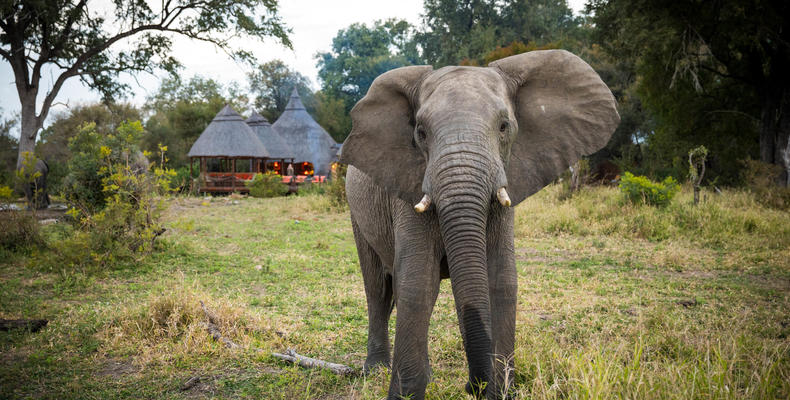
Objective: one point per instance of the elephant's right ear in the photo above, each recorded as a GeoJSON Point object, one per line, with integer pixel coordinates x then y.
{"type": "Point", "coordinates": [381, 141]}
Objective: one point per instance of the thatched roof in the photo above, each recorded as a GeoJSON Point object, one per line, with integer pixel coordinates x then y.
{"type": "Point", "coordinates": [273, 142]}
{"type": "Point", "coordinates": [308, 140]}
{"type": "Point", "coordinates": [228, 136]}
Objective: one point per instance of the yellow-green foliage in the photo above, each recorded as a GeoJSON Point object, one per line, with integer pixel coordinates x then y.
{"type": "Point", "coordinates": [336, 187]}
{"type": "Point", "coordinates": [640, 189]}
{"type": "Point", "coordinates": [116, 217]}
{"type": "Point", "coordinates": [6, 193]}
{"type": "Point", "coordinates": [268, 184]}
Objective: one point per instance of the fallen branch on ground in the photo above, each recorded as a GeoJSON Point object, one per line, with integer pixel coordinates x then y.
{"type": "Point", "coordinates": [213, 330]}
{"type": "Point", "coordinates": [190, 383]}
{"type": "Point", "coordinates": [290, 355]}
{"type": "Point", "coordinates": [307, 362]}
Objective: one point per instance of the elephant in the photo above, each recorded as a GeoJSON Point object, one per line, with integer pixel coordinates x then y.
{"type": "Point", "coordinates": [437, 161]}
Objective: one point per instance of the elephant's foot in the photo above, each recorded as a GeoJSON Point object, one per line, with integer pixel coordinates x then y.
{"type": "Point", "coordinates": [376, 361]}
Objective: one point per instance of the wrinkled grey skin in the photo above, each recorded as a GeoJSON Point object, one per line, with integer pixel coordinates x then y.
{"type": "Point", "coordinates": [458, 134]}
{"type": "Point", "coordinates": [36, 191]}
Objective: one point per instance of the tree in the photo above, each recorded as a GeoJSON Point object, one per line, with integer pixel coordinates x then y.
{"type": "Point", "coordinates": [465, 31]}
{"type": "Point", "coordinates": [180, 111]}
{"type": "Point", "coordinates": [331, 114]}
{"type": "Point", "coordinates": [717, 69]}
{"type": "Point", "coordinates": [53, 147]}
{"type": "Point", "coordinates": [360, 54]}
{"type": "Point", "coordinates": [457, 30]}
{"type": "Point", "coordinates": [70, 39]}
{"type": "Point", "coordinates": [8, 151]}
{"type": "Point", "coordinates": [271, 85]}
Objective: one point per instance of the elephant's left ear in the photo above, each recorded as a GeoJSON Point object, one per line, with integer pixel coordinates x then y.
{"type": "Point", "coordinates": [564, 111]}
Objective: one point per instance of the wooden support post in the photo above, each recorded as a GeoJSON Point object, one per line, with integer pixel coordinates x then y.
{"type": "Point", "coordinates": [233, 174]}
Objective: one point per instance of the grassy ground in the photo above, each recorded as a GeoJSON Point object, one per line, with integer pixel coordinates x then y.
{"type": "Point", "coordinates": [615, 301]}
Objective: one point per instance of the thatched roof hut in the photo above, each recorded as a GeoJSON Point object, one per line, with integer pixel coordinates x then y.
{"type": "Point", "coordinates": [274, 143]}
{"type": "Point", "coordinates": [228, 136]}
{"type": "Point", "coordinates": [309, 141]}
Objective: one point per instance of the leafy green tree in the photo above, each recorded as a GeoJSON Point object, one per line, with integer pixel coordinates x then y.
{"type": "Point", "coordinates": [360, 53]}
{"type": "Point", "coordinates": [271, 85]}
{"type": "Point", "coordinates": [8, 151]}
{"type": "Point", "coordinates": [711, 73]}
{"type": "Point", "coordinates": [180, 111]}
{"type": "Point", "coordinates": [465, 31]}
{"type": "Point", "coordinates": [68, 39]}
{"type": "Point", "coordinates": [457, 30]}
{"type": "Point", "coordinates": [53, 144]}
{"type": "Point", "coordinates": [331, 114]}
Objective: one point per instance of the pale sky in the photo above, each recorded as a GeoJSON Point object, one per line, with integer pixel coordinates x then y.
{"type": "Point", "coordinates": [313, 22]}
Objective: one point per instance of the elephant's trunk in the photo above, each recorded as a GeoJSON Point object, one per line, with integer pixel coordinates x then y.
{"type": "Point", "coordinates": [463, 193]}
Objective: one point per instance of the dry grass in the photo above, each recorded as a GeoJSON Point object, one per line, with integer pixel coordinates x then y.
{"type": "Point", "coordinates": [615, 301]}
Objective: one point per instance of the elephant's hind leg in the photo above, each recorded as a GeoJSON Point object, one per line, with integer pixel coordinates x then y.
{"type": "Point", "coordinates": [378, 290]}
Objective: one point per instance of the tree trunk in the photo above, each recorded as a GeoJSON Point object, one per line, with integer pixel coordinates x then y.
{"type": "Point", "coordinates": [775, 131]}
{"type": "Point", "coordinates": [28, 128]}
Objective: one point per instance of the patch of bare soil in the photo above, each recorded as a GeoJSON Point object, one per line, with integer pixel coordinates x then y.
{"type": "Point", "coordinates": [117, 368]}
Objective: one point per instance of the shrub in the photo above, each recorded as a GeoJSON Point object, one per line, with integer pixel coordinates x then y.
{"type": "Point", "coordinates": [267, 185]}
{"type": "Point", "coordinates": [761, 179]}
{"type": "Point", "coordinates": [116, 213]}
{"type": "Point", "coordinates": [18, 230]}
{"type": "Point", "coordinates": [640, 189]}
{"type": "Point", "coordinates": [336, 187]}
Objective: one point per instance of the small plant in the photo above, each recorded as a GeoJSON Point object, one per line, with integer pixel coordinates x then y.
{"type": "Point", "coordinates": [574, 178]}
{"type": "Point", "coordinates": [697, 158]}
{"type": "Point", "coordinates": [269, 184]}
{"type": "Point", "coordinates": [640, 189]}
{"type": "Point", "coordinates": [336, 188]}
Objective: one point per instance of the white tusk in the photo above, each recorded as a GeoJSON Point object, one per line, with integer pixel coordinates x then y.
{"type": "Point", "coordinates": [502, 196]}
{"type": "Point", "coordinates": [423, 204]}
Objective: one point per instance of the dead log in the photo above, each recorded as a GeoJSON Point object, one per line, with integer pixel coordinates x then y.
{"type": "Point", "coordinates": [293, 357]}
{"type": "Point", "coordinates": [290, 355]}
{"type": "Point", "coordinates": [33, 325]}
{"type": "Point", "coordinates": [190, 383]}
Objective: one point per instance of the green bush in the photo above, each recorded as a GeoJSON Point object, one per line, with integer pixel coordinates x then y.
{"type": "Point", "coordinates": [336, 187]}
{"type": "Point", "coordinates": [641, 190]}
{"type": "Point", "coordinates": [267, 185]}
{"type": "Point", "coordinates": [116, 211]}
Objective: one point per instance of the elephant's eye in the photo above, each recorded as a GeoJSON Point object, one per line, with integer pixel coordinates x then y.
{"type": "Point", "coordinates": [503, 126]}
{"type": "Point", "coordinates": [421, 133]}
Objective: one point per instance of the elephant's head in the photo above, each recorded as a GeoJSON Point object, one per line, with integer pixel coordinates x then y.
{"type": "Point", "coordinates": [468, 139]}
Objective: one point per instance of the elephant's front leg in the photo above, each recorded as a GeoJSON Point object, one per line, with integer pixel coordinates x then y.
{"type": "Point", "coordinates": [416, 279]}
{"type": "Point", "coordinates": [503, 289]}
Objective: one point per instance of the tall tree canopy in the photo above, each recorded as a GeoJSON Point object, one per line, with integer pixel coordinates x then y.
{"type": "Point", "coordinates": [72, 38]}
{"type": "Point", "coordinates": [454, 31]}
{"type": "Point", "coordinates": [360, 53]}
{"type": "Point", "coordinates": [271, 84]}
{"type": "Point", "coordinates": [180, 111]}
{"type": "Point", "coordinates": [712, 72]}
